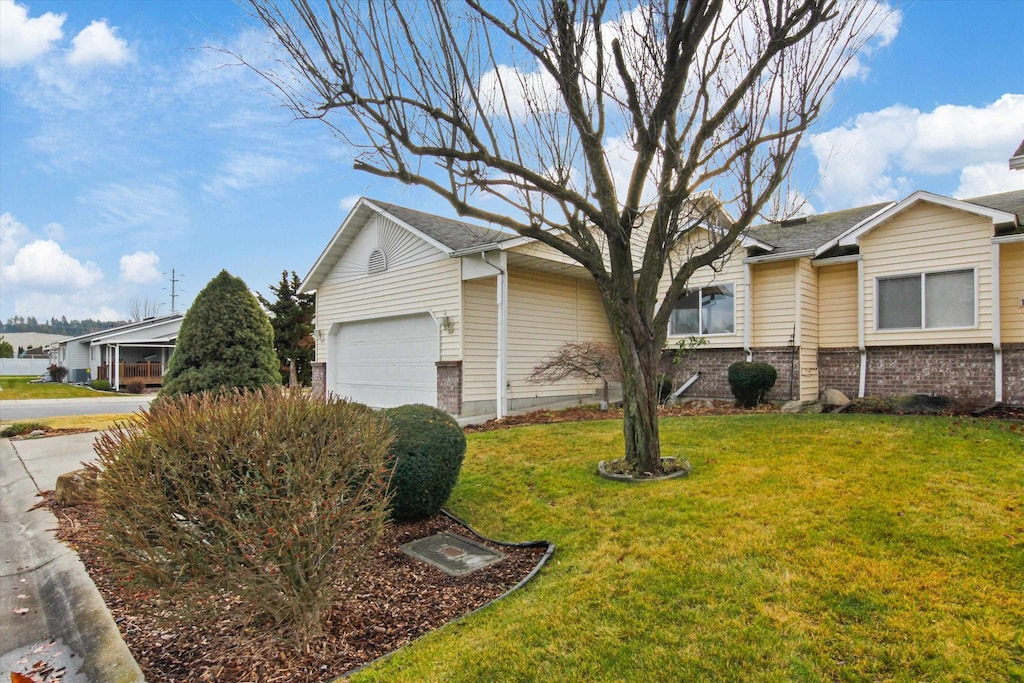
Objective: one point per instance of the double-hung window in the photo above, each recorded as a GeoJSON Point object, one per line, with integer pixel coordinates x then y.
{"type": "Point", "coordinates": [926, 301]}
{"type": "Point", "coordinates": [708, 310]}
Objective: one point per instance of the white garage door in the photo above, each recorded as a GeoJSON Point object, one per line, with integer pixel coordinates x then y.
{"type": "Point", "coordinates": [388, 362]}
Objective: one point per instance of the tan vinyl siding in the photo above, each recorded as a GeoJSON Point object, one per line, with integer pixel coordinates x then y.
{"type": "Point", "coordinates": [729, 271]}
{"type": "Point", "coordinates": [929, 238]}
{"type": "Point", "coordinates": [807, 285]}
{"type": "Point", "coordinates": [1011, 291]}
{"type": "Point", "coordinates": [480, 339]}
{"type": "Point", "coordinates": [837, 306]}
{"type": "Point", "coordinates": [774, 303]}
{"type": "Point", "coordinates": [546, 311]}
{"type": "Point", "coordinates": [419, 279]}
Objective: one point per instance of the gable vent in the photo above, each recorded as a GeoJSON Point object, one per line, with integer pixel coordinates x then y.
{"type": "Point", "coordinates": [378, 262]}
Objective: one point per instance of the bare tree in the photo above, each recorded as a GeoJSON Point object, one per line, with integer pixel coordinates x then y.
{"type": "Point", "coordinates": [580, 360]}
{"type": "Point", "coordinates": [142, 309]}
{"type": "Point", "coordinates": [592, 126]}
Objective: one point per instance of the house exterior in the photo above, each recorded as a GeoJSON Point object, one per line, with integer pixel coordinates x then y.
{"type": "Point", "coordinates": [1017, 160]}
{"type": "Point", "coordinates": [922, 295]}
{"type": "Point", "coordinates": [137, 351]}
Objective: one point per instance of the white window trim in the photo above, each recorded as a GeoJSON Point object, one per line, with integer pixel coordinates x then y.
{"type": "Point", "coordinates": [700, 315]}
{"type": "Point", "coordinates": [924, 312]}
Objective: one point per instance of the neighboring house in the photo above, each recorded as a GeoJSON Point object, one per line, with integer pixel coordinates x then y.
{"type": "Point", "coordinates": [884, 299]}
{"type": "Point", "coordinates": [1017, 160]}
{"type": "Point", "coordinates": [137, 351]}
{"type": "Point", "coordinates": [925, 295]}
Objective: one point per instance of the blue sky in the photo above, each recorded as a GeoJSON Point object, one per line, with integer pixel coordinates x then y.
{"type": "Point", "coordinates": [127, 148]}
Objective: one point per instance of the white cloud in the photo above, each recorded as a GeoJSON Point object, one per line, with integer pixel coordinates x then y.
{"type": "Point", "coordinates": [880, 155]}
{"type": "Point", "coordinates": [55, 231]}
{"type": "Point", "coordinates": [142, 267]}
{"type": "Point", "coordinates": [349, 202]}
{"type": "Point", "coordinates": [991, 178]}
{"type": "Point", "coordinates": [23, 39]}
{"type": "Point", "coordinates": [98, 44]}
{"type": "Point", "coordinates": [150, 210]}
{"type": "Point", "coordinates": [12, 235]}
{"type": "Point", "coordinates": [249, 170]}
{"type": "Point", "coordinates": [44, 265]}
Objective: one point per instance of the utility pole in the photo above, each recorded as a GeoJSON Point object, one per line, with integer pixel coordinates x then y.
{"type": "Point", "coordinates": [174, 291]}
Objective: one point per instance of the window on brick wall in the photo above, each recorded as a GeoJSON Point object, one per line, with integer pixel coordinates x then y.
{"type": "Point", "coordinates": [704, 311]}
{"type": "Point", "coordinates": [926, 301]}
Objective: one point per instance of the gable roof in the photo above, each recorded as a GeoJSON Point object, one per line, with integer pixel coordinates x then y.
{"type": "Point", "coordinates": [444, 234]}
{"type": "Point", "coordinates": [1017, 160]}
{"type": "Point", "coordinates": [803, 235]}
{"type": "Point", "coordinates": [121, 329]}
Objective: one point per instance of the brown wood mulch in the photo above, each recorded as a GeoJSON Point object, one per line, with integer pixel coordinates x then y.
{"type": "Point", "coordinates": [198, 637]}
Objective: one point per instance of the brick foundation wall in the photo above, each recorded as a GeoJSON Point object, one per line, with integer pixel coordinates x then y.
{"type": "Point", "coordinates": [1013, 374]}
{"type": "Point", "coordinates": [713, 365]}
{"type": "Point", "coordinates": [319, 379]}
{"type": "Point", "coordinates": [839, 369]}
{"type": "Point", "coordinates": [965, 372]}
{"type": "Point", "coordinates": [449, 386]}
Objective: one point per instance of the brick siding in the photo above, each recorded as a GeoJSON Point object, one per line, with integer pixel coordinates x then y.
{"type": "Point", "coordinates": [839, 369]}
{"type": "Point", "coordinates": [713, 365]}
{"type": "Point", "coordinates": [1013, 374]}
{"type": "Point", "coordinates": [319, 379]}
{"type": "Point", "coordinates": [449, 386]}
{"type": "Point", "coordinates": [965, 372]}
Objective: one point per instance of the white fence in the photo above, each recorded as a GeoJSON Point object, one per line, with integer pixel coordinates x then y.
{"type": "Point", "coordinates": [23, 366]}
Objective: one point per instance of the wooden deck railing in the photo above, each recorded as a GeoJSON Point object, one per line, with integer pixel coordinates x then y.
{"type": "Point", "coordinates": [150, 373]}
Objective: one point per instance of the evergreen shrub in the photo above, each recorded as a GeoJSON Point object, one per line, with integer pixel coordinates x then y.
{"type": "Point", "coordinates": [427, 454]}
{"type": "Point", "coordinates": [270, 495]}
{"type": "Point", "coordinates": [751, 382]}
{"type": "Point", "coordinates": [225, 342]}
{"type": "Point", "coordinates": [100, 385]}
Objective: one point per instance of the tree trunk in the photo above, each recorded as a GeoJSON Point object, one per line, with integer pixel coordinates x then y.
{"type": "Point", "coordinates": [640, 406]}
{"type": "Point", "coordinates": [293, 376]}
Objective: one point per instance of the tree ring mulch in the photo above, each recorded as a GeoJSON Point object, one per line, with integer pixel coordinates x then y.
{"type": "Point", "coordinates": [615, 470]}
{"type": "Point", "coordinates": [192, 635]}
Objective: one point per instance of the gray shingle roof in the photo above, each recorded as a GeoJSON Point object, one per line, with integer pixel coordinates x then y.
{"type": "Point", "coordinates": [453, 234]}
{"type": "Point", "coordinates": [1012, 202]}
{"type": "Point", "coordinates": [816, 231]}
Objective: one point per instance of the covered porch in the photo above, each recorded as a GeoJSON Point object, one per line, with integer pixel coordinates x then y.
{"type": "Point", "coordinates": [123, 364]}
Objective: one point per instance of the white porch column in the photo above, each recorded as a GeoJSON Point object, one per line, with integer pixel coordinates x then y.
{"type": "Point", "coordinates": [115, 370]}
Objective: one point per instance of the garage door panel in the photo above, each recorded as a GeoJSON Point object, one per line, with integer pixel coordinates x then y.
{"type": "Point", "coordinates": [388, 362]}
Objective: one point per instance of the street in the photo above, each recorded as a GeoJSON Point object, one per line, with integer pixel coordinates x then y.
{"type": "Point", "coordinates": [31, 409]}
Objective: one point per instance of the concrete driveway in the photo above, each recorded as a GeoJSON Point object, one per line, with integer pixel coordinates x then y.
{"type": "Point", "coordinates": [35, 408]}
{"type": "Point", "coordinates": [51, 614]}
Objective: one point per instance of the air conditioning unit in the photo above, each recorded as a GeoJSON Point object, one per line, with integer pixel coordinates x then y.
{"type": "Point", "coordinates": [79, 375]}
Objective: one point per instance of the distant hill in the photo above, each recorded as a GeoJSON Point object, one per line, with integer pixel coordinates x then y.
{"type": "Point", "coordinates": [60, 326]}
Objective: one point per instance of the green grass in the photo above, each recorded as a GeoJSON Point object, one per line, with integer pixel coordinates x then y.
{"type": "Point", "coordinates": [15, 387]}
{"type": "Point", "coordinates": [801, 548]}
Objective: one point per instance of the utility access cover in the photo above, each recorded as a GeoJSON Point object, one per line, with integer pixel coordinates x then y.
{"type": "Point", "coordinates": [452, 554]}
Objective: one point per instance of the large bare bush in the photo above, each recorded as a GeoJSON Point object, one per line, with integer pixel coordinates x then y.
{"type": "Point", "coordinates": [269, 495]}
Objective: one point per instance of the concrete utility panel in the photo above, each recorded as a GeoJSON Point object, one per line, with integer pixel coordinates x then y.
{"type": "Point", "coordinates": [452, 554]}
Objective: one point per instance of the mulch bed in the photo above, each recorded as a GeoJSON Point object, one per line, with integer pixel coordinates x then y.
{"type": "Point", "coordinates": [196, 637]}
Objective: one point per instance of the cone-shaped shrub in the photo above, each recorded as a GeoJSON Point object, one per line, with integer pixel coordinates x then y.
{"type": "Point", "coordinates": [427, 453]}
{"type": "Point", "coordinates": [225, 342]}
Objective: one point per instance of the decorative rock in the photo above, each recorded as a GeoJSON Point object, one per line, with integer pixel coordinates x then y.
{"type": "Point", "coordinates": [37, 432]}
{"type": "Point", "coordinates": [802, 407]}
{"type": "Point", "coordinates": [76, 487]}
{"type": "Point", "coordinates": [833, 397]}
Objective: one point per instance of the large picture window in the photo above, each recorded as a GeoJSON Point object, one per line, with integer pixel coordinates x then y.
{"type": "Point", "coordinates": [708, 310]}
{"type": "Point", "coordinates": [926, 301]}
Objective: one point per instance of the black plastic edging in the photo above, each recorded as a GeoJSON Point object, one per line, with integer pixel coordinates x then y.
{"type": "Point", "coordinates": [526, 579]}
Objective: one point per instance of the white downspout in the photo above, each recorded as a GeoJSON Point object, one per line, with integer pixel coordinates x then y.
{"type": "Point", "coordinates": [748, 305]}
{"type": "Point", "coordinates": [862, 388]}
{"type": "Point", "coordinates": [501, 361]}
{"type": "Point", "coordinates": [997, 324]}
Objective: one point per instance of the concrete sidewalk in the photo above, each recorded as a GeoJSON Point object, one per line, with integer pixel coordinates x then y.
{"type": "Point", "coordinates": [50, 611]}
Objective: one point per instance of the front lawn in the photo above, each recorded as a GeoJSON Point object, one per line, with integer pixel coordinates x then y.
{"type": "Point", "coordinates": [17, 387]}
{"type": "Point", "coordinates": [801, 548]}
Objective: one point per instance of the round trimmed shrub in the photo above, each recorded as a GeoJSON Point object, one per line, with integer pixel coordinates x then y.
{"type": "Point", "coordinates": [100, 385]}
{"type": "Point", "coordinates": [751, 382]}
{"type": "Point", "coordinates": [427, 454]}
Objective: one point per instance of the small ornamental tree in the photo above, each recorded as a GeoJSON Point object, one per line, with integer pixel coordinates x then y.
{"type": "Point", "coordinates": [225, 342]}
{"type": "Point", "coordinates": [585, 361]}
{"type": "Point", "coordinates": [292, 320]}
{"type": "Point", "coordinates": [6, 350]}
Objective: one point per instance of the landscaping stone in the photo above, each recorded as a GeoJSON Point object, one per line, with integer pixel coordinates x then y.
{"type": "Point", "coordinates": [37, 432]}
{"type": "Point", "coordinates": [793, 407]}
{"type": "Point", "coordinates": [76, 487]}
{"type": "Point", "coordinates": [453, 554]}
{"type": "Point", "coordinates": [833, 397]}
